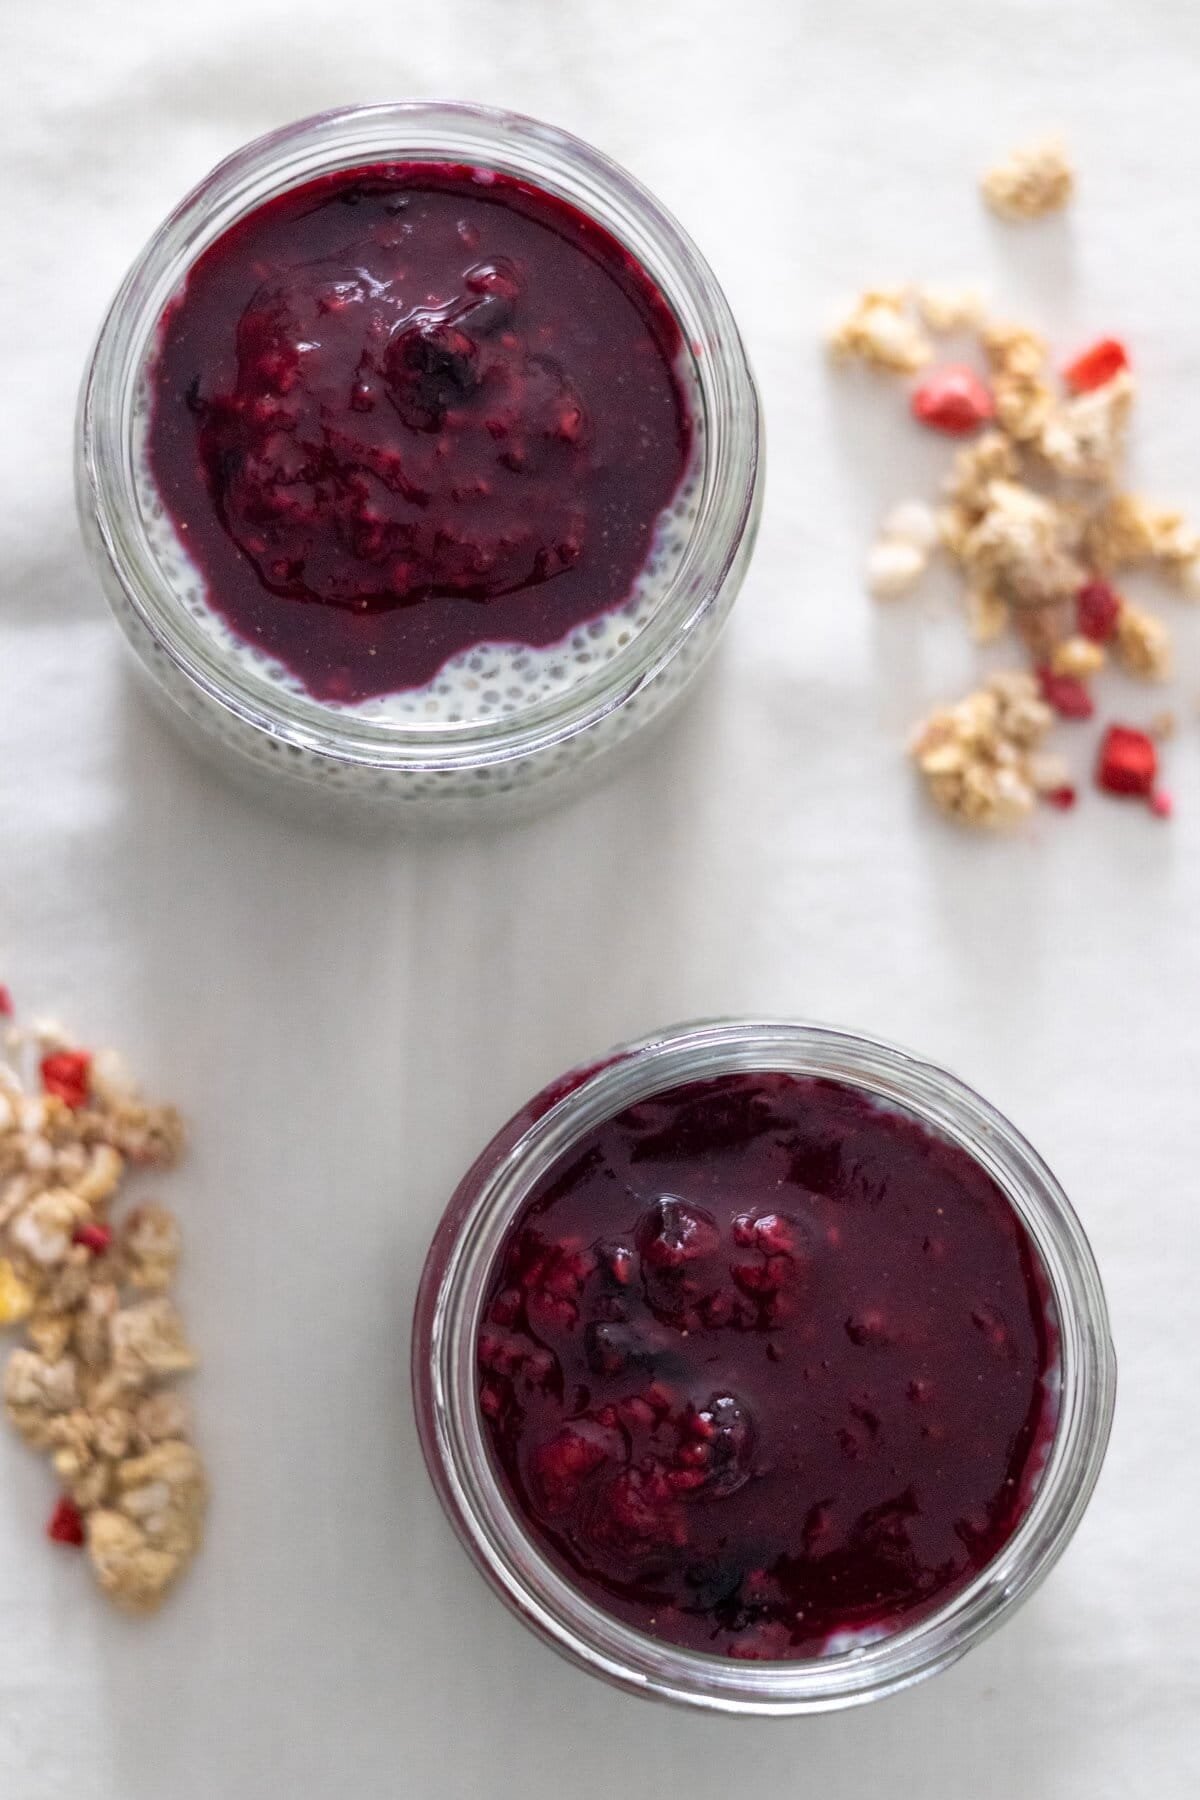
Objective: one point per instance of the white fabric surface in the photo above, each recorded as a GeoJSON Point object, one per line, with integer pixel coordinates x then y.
{"type": "Point", "coordinates": [346, 1023]}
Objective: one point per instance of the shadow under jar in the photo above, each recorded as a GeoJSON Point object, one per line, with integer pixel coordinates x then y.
{"type": "Point", "coordinates": [420, 459]}
{"type": "Point", "coordinates": [762, 1367]}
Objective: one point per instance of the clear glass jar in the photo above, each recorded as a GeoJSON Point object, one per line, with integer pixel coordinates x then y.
{"type": "Point", "coordinates": [447, 1320]}
{"type": "Point", "coordinates": [512, 747]}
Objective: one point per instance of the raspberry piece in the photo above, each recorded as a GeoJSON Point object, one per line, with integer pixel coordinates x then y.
{"type": "Point", "coordinates": [65, 1524]}
{"type": "Point", "coordinates": [953, 400]}
{"type": "Point", "coordinates": [6, 1004]}
{"type": "Point", "coordinates": [95, 1238]}
{"type": "Point", "coordinates": [672, 1233]}
{"type": "Point", "coordinates": [1096, 365]}
{"type": "Point", "coordinates": [506, 1307]}
{"type": "Point", "coordinates": [553, 1282]}
{"type": "Point", "coordinates": [561, 1466]}
{"type": "Point", "coordinates": [65, 1074]}
{"type": "Point", "coordinates": [1161, 804]}
{"type": "Point", "coordinates": [1063, 797]}
{"type": "Point", "coordinates": [1128, 762]}
{"type": "Point", "coordinates": [1067, 694]}
{"type": "Point", "coordinates": [1097, 609]}
{"type": "Point", "coordinates": [770, 1232]}
{"type": "Point", "coordinates": [760, 1280]}
{"type": "Point", "coordinates": [640, 1511]}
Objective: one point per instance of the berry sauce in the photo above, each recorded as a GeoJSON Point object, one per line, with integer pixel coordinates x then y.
{"type": "Point", "coordinates": [762, 1363]}
{"type": "Point", "coordinates": [407, 409]}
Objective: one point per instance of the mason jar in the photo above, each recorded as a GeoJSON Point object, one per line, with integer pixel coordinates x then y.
{"type": "Point", "coordinates": [512, 729]}
{"type": "Point", "coordinates": [535, 1148]}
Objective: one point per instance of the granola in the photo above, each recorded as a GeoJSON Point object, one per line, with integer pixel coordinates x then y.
{"type": "Point", "coordinates": [1034, 514]}
{"type": "Point", "coordinates": [91, 1387]}
{"type": "Point", "coordinates": [880, 331]}
{"type": "Point", "coordinates": [978, 757]}
{"type": "Point", "coordinates": [1143, 643]}
{"type": "Point", "coordinates": [1035, 179]}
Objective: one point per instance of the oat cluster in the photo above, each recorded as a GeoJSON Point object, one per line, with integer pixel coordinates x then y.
{"type": "Point", "coordinates": [1033, 180]}
{"type": "Point", "coordinates": [93, 1386]}
{"type": "Point", "coordinates": [982, 759]}
{"type": "Point", "coordinates": [1034, 514]}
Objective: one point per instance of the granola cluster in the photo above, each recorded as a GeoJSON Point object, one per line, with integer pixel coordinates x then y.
{"type": "Point", "coordinates": [1033, 513]}
{"type": "Point", "coordinates": [982, 758]}
{"type": "Point", "coordinates": [1033, 180]}
{"type": "Point", "coordinates": [93, 1385]}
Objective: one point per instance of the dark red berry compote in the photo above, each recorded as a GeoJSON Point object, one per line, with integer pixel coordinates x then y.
{"type": "Point", "coordinates": [407, 409]}
{"type": "Point", "coordinates": [420, 459]}
{"type": "Point", "coordinates": [764, 1364]}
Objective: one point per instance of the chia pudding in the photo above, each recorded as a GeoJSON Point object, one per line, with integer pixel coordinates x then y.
{"type": "Point", "coordinates": [764, 1366]}
{"type": "Point", "coordinates": [421, 455]}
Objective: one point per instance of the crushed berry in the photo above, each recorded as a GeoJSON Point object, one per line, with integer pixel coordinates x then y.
{"type": "Point", "coordinates": [6, 1002]}
{"type": "Point", "coordinates": [67, 1075]}
{"type": "Point", "coordinates": [389, 437]}
{"type": "Point", "coordinates": [1097, 609]}
{"type": "Point", "coordinates": [1096, 366]}
{"type": "Point", "coordinates": [93, 1237]}
{"type": "Point", "coordinates": [1161, 804]}
{"type": "Point", "coordinates": [1128, 762]}
{"type": "Point", "coordinates": [1067, 694]}
{"type": "Point", "coordinates": [953, 400]}
{"type": "Point", "coordinates": [65, 1524]}
{"type": "Point", "coordinates": [767, 1427]}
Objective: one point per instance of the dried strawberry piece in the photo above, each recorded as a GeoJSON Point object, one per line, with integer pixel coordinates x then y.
{"type": "Point", "coordinates": [65, 1524]}
{"type": "Point", "coordinates": [65, 1075]}
{"type": "Point", "coordinates": [1067, 694]}
{"type": "Point", "coordinates": [1128, 762]}
{"type": "Point", "coordinates": [1161, 804]}
{"type": "Point", "coordinates": [1096, 366]}
{"type": "Point", "coordinates": [1097, 609]}
{"type": "Point", "coordinates": [1063, 797]}
{"type": "Point", "coordinates": [953, 400]}
{"type": "Point", "coordinates": [96, 1238]}
{"type": "Point", "coordinates": [6, 1002]}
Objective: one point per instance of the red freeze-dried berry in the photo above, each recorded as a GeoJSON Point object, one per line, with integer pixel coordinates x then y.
{"type": "Point", "coordinates": [1067, 694]}
{"type": "Point", "coordinates": [65, 1524]}
{"type": "Point", "coordinates": [953, 400]}
{"type": "Point", "coordinates": [6, 1004]}
{"type": "Point", "coordinates": [1097, 609]}
{"type": "Point", "coordinates": [1128, 762]}
{"type": "Point", "coordinates": [1161, 804]}
{"type": "Point", "coordinates": [65, 1075]}
{"type": "Point", "coordinates": [1096, 365]}
{"type": "Point", "coordinates": [1063, 797]}
{"type": "Point", "coordinates": [95, 1238]}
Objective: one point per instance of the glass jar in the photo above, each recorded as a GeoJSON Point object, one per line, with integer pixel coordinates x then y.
{"type": "Point", "coordinates": [448, 1315]}
{"type": "Point", "coordinates": [508, 746]}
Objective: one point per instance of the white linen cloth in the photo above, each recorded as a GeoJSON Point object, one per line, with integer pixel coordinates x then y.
{"type": "Point", "coordinates": [345, 1023]}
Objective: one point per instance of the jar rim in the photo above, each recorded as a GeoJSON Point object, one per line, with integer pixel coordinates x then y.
{"type": "Point", "coordinates": [449, 1308]}
{"type": "Point", "coordinates": [513, 143]}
